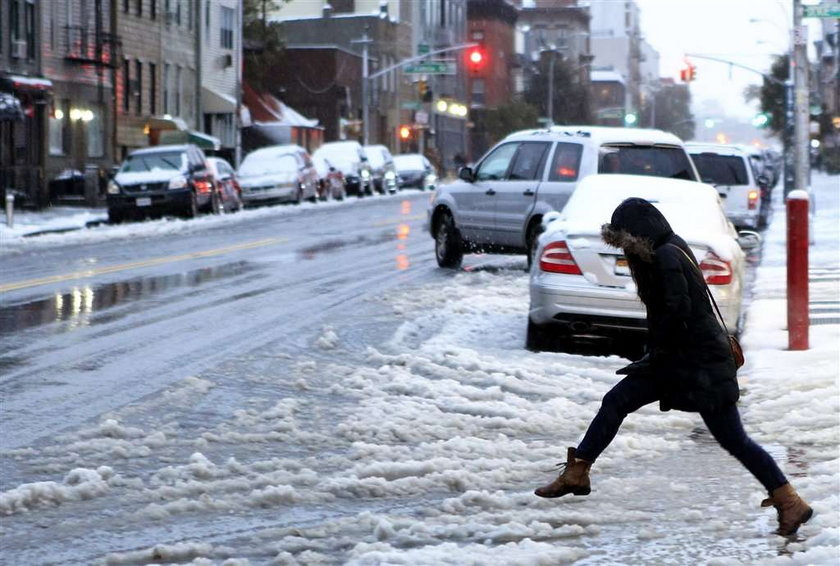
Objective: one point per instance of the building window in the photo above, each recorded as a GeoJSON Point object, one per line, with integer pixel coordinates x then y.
{"type": "Point", "coordinates": [153, 9]}
{"type": "Point", "coordinates": [207, 19]}
{"type": "Point", "coordinates": [126, 84]}
{"type": "Point", "coordinates": [138, 86]}
{"type": "Point", "coordinates": [177, 91]}
{"type": "Point", "coordinates": [477, 97]}
{"type": "Point", "coordinates": [125, 6]}
{"type": "Point", "coordinates": [29, 21]}
{"type": "Point", "coordinates": [139, 7]}
{"type": "Point", "coordinates": [152, 89]}
{"type": "Point", "coordinates": [228, 16]}
{"type": "Point", "coordinates": [166, 88]}
{"type": "Point", "coordinates": [59, 127]}
{"type": "Point", "coordinates": [96, 134]}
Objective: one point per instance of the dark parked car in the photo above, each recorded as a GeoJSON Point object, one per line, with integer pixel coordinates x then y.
{"type": "Point", "coordinates": [226, 183]}
{"type": "Point", "coordinates": [164, 179]}
{"type": "Point", "coordinates": [415, 170]}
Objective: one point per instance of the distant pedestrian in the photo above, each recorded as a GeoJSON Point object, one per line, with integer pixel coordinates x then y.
{"type": "Point", "coordinates": [689, 365]}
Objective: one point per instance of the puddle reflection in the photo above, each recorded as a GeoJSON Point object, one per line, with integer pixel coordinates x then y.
{"type": "Point", "coordinates": [78, 306]}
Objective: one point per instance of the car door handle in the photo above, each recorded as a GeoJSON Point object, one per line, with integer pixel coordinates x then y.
{"type": "Point", "coordinates": [490, 192]}
{"type": "Point", "coordinates": [529, 193]}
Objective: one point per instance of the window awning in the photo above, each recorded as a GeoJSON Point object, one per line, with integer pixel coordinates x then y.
{"type": "Point", "coordinates": [204, 141]}
{"type": "Point", "coordinates": [10, 108]}
{"type": "Point", "coordinates": [213, 102]}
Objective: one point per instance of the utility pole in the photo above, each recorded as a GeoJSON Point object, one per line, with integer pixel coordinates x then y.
{"type": "Point", "coordinates": [801, 101]}
{"type": "Point", "coordinates": [553, 52]}
{"type": "Point", "coordinates": [365, 41]}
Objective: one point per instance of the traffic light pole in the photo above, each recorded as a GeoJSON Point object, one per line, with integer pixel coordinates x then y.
{"type": "Point", "coordinates": [800, 99]}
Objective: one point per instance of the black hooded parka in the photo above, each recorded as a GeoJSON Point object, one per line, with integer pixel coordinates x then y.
{"type": "Point", "coordinates": [689, 350]}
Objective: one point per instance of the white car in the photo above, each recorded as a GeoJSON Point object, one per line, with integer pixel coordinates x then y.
{"type": "Point", "coordinates": [278, 173]}
{"type": "Point", "coordinates": [348, 157]}
{"type": "Point", "coordinates": [731, 171]}
{"type": "Point", "coordinates": [581, 288]}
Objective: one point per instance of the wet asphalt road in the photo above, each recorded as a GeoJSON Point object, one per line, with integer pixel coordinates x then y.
{"type": "Point", "coordinates": [94, 327]}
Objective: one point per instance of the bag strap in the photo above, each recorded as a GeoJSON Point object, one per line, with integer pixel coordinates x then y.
{"type": "Point", "coordinates": [703, 279]}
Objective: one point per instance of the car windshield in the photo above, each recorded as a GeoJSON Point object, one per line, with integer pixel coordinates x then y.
{"type": "Point", "coordinates": [720, 169]}
{"type": "Point", "coordinates": [376, 157]}
{"type": "Point", "coordinates": [267, 164]}
{"type": "Point", "coordinates": [163, 161]}
{"type": "Point", "coordinates": [653, 160]}
{"type": "Point", "coordinates": [409, 162]}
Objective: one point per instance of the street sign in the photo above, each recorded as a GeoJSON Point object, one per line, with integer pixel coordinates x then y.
{"type": "Point", "coordinates": [431, 68]}
{"type": "Point", "coordinates": [824, 10]}
{"type": "Point", "coordinates": [421, 117]}
{"type": "Point", "coordinates": [422, 48]}
{"type": "Point", "coordinates": [410, 105]}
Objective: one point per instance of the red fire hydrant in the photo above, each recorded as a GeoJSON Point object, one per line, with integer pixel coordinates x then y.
{"type": "Point", "coordinates": [797, 269]}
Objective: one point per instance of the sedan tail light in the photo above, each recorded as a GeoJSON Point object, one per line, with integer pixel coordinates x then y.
{"type": "Point", "coordinates": [556, 258]}
{"type": "Point", "coordinates": [752, 199]}
{"type": "Point", "coordinates": [203, 186]}
{"type": "Point", "coordinates": [716, 270]}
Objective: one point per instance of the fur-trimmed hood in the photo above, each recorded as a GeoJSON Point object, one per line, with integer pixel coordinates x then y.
{"type": "Point", "coordinates": [637, 227]}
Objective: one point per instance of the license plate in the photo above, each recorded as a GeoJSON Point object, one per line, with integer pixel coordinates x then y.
{"type": "Point", "coordinates": [621, 266]}
{"type": "Point", "coordinates": [144, 201]}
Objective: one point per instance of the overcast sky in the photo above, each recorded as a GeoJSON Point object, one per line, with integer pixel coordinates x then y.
{"type": "Point", "coordinates": [720, 29]}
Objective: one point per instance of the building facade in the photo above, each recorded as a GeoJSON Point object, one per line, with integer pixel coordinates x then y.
{"type": "Point", "coordinates": [23, 148]}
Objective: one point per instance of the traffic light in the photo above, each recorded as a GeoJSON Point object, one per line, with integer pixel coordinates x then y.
{"type": "Point", "coordinates": [405, 132]}
{"type": "Point", "coordinates": [476, 59]}
{"type": "Point", "coordinates": [688, 72]}
{"type": "Point", "coordinates": [424, 92]}
{"type": "Point", "coordinates": [761, 120]}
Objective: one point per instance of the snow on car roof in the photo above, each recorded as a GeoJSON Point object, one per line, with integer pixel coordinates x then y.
{"type": "Point", "coordinates": [692, 208]}
{"type": "Point", "coordinates": [275, 150]}
{"type": "Point", "coordinates": [603, 134]}
{"type": "Point", "coordinates": [720, 149]}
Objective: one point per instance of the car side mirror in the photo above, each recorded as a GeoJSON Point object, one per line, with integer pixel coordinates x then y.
{"type": "Point", "coordinates": [749, 240]}
{"type": "Point", "coordinates": [466, 174]}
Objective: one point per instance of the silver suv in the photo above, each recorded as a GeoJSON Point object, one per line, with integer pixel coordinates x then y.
{"type": "Point", "coordinates": [497, 207]}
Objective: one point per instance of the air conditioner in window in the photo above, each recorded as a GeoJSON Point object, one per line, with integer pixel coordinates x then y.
{"type": "Point", "coordinates": [171, 17]}
{"type": "Point", "coordinates": [227, 60]}
{"type": "Point", "coordinates": [19, 49]}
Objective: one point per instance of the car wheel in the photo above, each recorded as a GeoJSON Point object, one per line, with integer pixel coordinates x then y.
{"type": "Point", "coordinates": [216, 203]}
{"type": "Point", "coordinates": [448, 251]}
{"type": "Point", "coordinates": [531, 238]}
{"type": "Point", "coordinates": [115, 217]}
{"type": "Point", "coordinates": [537, 337]}
{"type": "Point", "coordinates": [192, 207]}
{"type": "Point", "coordinates": [298, 196]}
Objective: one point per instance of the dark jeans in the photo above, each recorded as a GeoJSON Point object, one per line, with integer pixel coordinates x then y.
{"type": "Point", "coordinates": [635, 391]}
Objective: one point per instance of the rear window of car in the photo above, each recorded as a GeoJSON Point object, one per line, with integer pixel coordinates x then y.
{"type": "Point", "coordinates": [654, 160]}
{"type": "Point", "coordinates": [565, 166]}
{"type": "Point", "coordinates": [720, 169]}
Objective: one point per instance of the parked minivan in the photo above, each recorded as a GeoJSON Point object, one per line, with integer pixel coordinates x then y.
{"type": "Point", "coordinates": [741, 188]}
{"type": "Point", "coordinates": [497, 206]}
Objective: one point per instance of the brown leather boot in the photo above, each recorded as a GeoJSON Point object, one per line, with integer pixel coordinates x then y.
{"type": "Point", "coordinates": [792, 511]}
{"type": "Point", "coordinates": [573, 478]}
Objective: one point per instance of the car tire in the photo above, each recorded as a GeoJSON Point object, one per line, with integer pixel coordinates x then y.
{"type": "Point", "coordinates": [192, 207]}
{"type": "Point", "coordinates": [537, 337]}
{"type": "Point", "coordinates": [534, 231]}
{"type": "Point", "coordinates": [115, 217]}
{"type": "Point", "coordinates": [448, 250]}
{"type": "Point", "coordinates": [216, 206]}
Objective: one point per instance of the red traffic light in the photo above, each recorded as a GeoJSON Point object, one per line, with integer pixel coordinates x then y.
{"type": "Point", "coordinates": [688, 72]}
{"type": "Point", "coordinates": [476, 58]}
{"type": "Point", "coordinates": [405, 132]}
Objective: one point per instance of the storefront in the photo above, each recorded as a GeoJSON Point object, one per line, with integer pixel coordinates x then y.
{"type": "Point", "coordinates": [23, 138]}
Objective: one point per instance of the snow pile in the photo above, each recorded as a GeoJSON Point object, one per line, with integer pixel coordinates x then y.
{"type": "Point", "coordinates": [78, 484]}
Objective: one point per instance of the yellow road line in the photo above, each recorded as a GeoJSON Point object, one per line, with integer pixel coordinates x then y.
{"type": "Point", "coordinates": [138, 264]}
{"type": "Point", "coordinates": [400, 219]}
